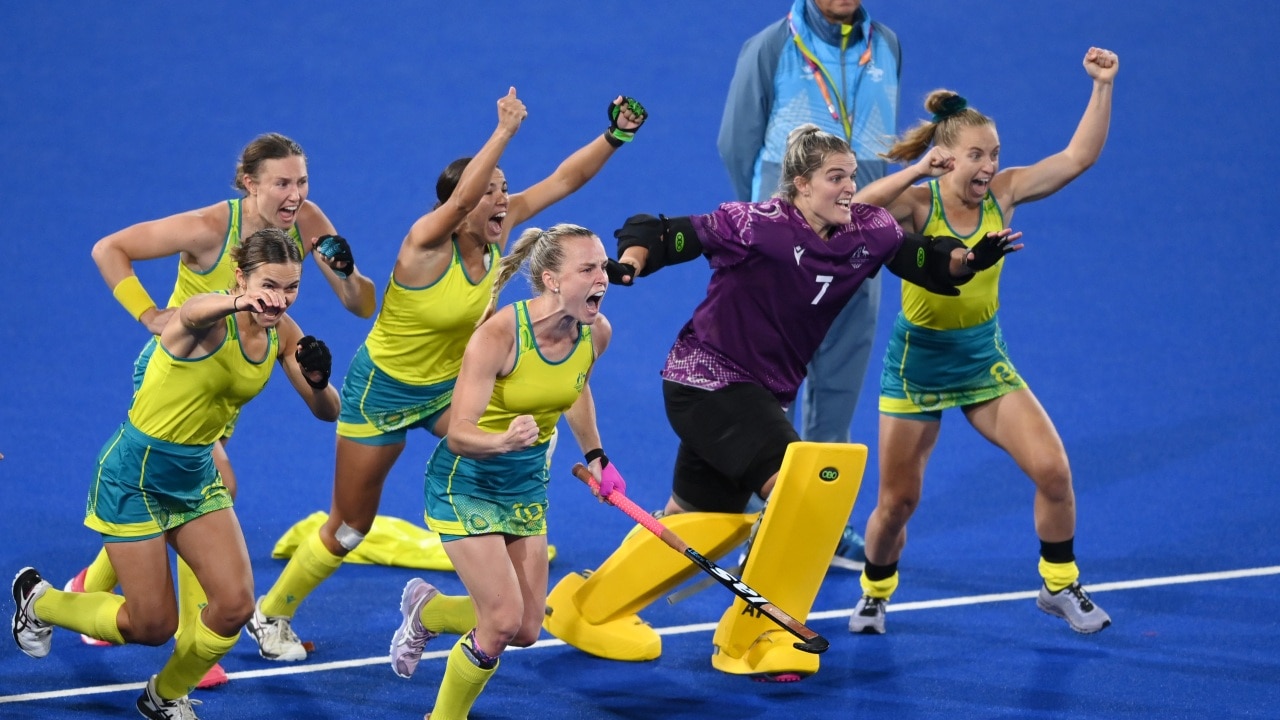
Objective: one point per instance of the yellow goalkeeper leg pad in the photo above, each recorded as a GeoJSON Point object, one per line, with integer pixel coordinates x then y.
{"type": "Point", "coordinates": [627, 638]}
{"type": "Point", "coordinates": [596, 611]}
{"type": "Point", "coordinates": [802, 523]}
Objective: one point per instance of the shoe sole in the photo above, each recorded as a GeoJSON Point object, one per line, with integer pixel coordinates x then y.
{"type": "Point", "coordinates": [782, 677]}
{"type": "Point", "coordinates": [846, 563]}
{"type": "Point", "coordinates": [1054, 611]}
{"type": "Point", "coordinates": [407, 610]}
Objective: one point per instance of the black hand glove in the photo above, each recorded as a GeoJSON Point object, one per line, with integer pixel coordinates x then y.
{"type": "Point", "coordinates": [620, 273]}
{"type": "Point", "coordinates": [313, 357]}
{"type": "Point", "coordinates": [988, 251]}
{"type": "Point", "coordinates": [616, 135]}
{"type": "Point", "coordinates": [337, 251]}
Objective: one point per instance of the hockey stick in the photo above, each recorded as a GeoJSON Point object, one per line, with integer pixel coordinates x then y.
{"type": "Point", "coordinates": [704, 583]}
{"type": "Point", "coordinates": [813, 642]}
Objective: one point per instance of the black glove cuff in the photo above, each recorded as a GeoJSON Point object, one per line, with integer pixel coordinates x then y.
{"type": "Point", "coordinates": [620, 273]}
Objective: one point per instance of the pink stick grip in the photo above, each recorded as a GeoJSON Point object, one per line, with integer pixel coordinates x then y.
{"type": "Point", "coordinates": [622, 502]}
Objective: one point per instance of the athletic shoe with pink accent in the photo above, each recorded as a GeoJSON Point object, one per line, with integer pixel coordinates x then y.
{"type": "Point", "coordinates": [76, 585]}
{"type": "Point", "coordinates": [411, 637]}
{"type": "Point", "coordinates": [215, 677]}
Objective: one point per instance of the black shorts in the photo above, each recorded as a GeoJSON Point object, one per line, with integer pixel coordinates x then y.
{"type": "Point", "coordinates": [732, 440]}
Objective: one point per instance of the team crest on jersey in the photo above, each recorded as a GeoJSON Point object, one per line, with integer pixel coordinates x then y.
{"type": "Point", "coordinates": [799, 251]}
{"type": "Point", "coordinates": [580, 382]}
{"type": "Point", "coordinates": [860, 256]}
{"type": "Point", "coordinates": [876, 74]}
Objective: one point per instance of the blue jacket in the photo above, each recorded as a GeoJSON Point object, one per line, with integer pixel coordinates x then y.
{"type": "Point", "coordinates": [774, 89]}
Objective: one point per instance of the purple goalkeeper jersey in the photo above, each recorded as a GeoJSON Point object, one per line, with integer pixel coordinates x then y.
{"type": "Point", "coordinates": [775, 289]}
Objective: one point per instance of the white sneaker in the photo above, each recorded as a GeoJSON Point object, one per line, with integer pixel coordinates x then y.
{"type": "Point", "coordinates": [33, 635]}
{"type": "Point", "coordinates": [1074, 605]}
{"type": "Point", "coordinates": [155, 707]}
{"type": "Point", "coordinates": [275, 636]}
{"type": "Point", "coordinates": [868, 616]}
{"type": "Point", "coordinates": [411, 637]}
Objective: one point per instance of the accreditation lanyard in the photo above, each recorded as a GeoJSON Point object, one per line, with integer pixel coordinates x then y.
{"type": "Point", "coordinates": [823, 78]}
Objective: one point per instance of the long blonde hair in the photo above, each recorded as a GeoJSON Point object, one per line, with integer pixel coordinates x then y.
{"type": "Point", "coordinates": [545, 252]}
{"type": "Point", "coordinates": [951, 114]}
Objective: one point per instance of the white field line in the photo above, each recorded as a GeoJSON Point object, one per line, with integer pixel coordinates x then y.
{"type": "Point", "coordinates": [293, 669]}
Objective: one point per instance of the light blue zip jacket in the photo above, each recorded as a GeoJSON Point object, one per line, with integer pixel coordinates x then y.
{"type": "Point", "coordinates": [773, 90]}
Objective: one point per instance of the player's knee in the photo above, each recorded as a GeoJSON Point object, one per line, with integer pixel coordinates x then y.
{"type": "Point", "coordinates": [526, 636]}
{"type": "Point", "coordinates": [503, 619]}
{"type": "Point", "coordinates": [896, 508]}
{"type": "Point", "coordinates": [1052, 476]}
{"type": "Point", "coordinates": [505, 629]}
{"type": "Point", "coordinates": [150, 630]}
{"type": "Point", "coordinates": [229, 610]}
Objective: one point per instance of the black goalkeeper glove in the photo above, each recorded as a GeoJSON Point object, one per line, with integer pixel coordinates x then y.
{"type": "Point", "coordinates": [313, 357]}
{"type": "Point", "coordinates": [619, 273]}
{"type": "Point", "coordinates": [616, 135]}
{"type": "Point", "coordinates": [989, 250]}
{"type": "Point", "coordinates": [337, 254]}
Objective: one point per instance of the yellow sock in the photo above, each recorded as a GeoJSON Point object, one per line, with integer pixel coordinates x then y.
{"type": "Point", "coordinates": [93, 614]}
{"type": "Point", "coordinates": [1058, 575]}
{"type": "Point", "coordinates": [100, 576]}
{"type": "Point", "coordinates": [311, 564]}
{"type": "Point", "coordinates": [453, 614]}
{"type": "Point", "coordinates": [462, 683]}
{"type": "Point", "coordinates": [194, 652]}
{"type": "Point", "coordinates": [882, 589]}
{"type": "Point", "coordinates": [191, 597]}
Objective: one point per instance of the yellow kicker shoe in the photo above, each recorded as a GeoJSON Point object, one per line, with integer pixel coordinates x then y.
{"type": "Point", "coordinates": [771, 656]}
{"type": "Point", "coordinates": [627, 638]}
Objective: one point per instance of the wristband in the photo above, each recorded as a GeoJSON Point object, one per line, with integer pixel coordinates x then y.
{"type": "Point", "coordinates": [611, 136]}
{"type": "Point", "coordinates": [597, 453]}
{"type": "Point", "coordinates": [130, 293]}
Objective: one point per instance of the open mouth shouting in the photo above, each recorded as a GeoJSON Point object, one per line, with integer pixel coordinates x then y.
{"type": "Point", "coordinates": [594, 300]}
{"type": "Point", "coordinates": [494, 226]}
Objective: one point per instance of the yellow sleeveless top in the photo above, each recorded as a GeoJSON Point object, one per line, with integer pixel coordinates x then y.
{"type": "Point", "coordinates": [222, 275]}
{"type": "Point", "coordinates": [979, 298]}
{"type": "Point", "coordinates": [537, 386]}
{"type": "Point", "coordinates": [189, 401]}
{"type": "Point", "coordinates": [420, 333]}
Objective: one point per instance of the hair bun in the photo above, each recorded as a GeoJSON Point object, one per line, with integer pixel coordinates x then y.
{"type": "Point", "coordinates": [949, 106]}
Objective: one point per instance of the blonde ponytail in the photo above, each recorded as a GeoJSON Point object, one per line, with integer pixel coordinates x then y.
{"type": "Point", "coordinates": [949, 114]}
{"type": "Point", "coordinates": [543, 250]}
